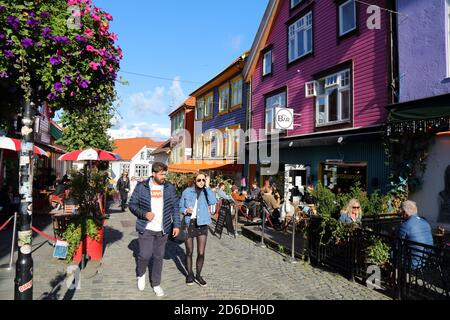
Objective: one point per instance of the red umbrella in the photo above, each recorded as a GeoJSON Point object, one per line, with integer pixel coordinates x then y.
{"type": "Point", "coordinates": [14, 145]}
{"type": "Point", "coordinates": [91, 155]}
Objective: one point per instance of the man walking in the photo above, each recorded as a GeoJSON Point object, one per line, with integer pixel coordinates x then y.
{"type": "Point", "coordinates": [123, 185]}
{"type": "Point", "coordinates": [155, 203]}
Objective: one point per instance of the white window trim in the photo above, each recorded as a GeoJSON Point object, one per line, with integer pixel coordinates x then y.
{"type": "Point", "coordinates": [291, 59]}
{"type": "Point", "coordinates": [234, 81]}
{"type": "Point", "coordinates": [341, 33]}
{"type": "Point", "coordinates": [221, 95]}
{"type": "Point", "coordinates": [272, 109]}
{"type": "Point", "coordinates": [340, 89]}
{"type": "Point", "coordinates": [265, 72]}
{"type": "Point", "coordinates": [314, 84]}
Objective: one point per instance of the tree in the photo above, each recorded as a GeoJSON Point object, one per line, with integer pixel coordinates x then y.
{"type": "Point", "coordinates": [87, 130]}
{"type": "Point", "coordinates": [56, 51]}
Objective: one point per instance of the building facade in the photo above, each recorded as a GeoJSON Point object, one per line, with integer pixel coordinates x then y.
{"type": "Point", "coordinates": [182, 132]}
{"type": "Point", "coordinates": [423, 106]}
{"type": "Point", "coordinates": [320, 59]}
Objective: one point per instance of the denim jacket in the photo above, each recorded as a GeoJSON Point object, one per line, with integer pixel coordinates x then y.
{"type": "Point", "coordinates": [188, 201]}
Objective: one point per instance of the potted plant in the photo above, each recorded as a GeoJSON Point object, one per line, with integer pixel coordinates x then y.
{"type": "Point", "coordinates": [84, 232]}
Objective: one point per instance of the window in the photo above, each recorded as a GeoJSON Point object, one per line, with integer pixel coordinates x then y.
{"type": "Point", "coordinates": [209, 104]}
{"type": "Point", "coordinates": [267, 63]}
{"type": "Point", "coordinates": [199, 109]}
{"type": "Point", "coordinates": [231, 139]}
{"type": "Point", "coordinates": [178, 122]}
{"type": "Point", "coordinates": [300, 37]}
{"type": "Point", "coordinates": [150, 157]}
{"type": "Point", "coordinates": [124, 167]}
{"type": "Point", "coordinates": [142, 155]}
{"type": "Point", "coordinates": [220, 137]}
{"type": "Point", "coordinates": [347, 17]}
{"type": "Point", "coordinates": [198, 144]}
{"type": "Point", "coordinates": [294, 3]}
{"type": "Point", "coordinates": [207, 139]}
{"type": "Point", "coordinates": [272, 102]}
{"type": "Point", "coordinates": [236, 92]}
{"type": "Point", "coordinates": [141, 171]}
{"type": "Point", "coordinates": [334, 96]}
{"type": "Point", "coordinates": [224, 98]}
{"type": "Point", "coordinates": [176, 155]}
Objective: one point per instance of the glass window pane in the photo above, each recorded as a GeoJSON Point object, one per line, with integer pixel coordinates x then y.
{"type": "Point", "coordinates": [332, 105]}
{"type": "Point", "coordinates": [300, 43]}
{"type": "Point", "coordinates": [321, 110]}
{"type": "Point", "coordinates": [348, 19]}
{"type": "Point", "coordinates": [345, 104]}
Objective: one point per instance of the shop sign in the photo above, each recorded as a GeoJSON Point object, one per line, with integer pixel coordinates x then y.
{"type": "Point", "coordinates": [284, 118]}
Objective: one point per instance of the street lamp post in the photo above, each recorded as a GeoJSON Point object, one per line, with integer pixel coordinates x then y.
{"type": "Point", "coordinates": [23, 282]}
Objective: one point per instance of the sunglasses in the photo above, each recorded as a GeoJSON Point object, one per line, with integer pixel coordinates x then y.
{"type": "Point", "coordinates": [356, 207]}
{"type": "Point", "coordinates": [201, 180]}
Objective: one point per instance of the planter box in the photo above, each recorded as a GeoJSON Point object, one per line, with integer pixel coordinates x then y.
{"type": "Point", "coordinates": [92, 248]}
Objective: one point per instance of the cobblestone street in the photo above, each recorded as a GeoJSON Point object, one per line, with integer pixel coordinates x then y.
{"type": "Point", "coordinates": [234, 269]}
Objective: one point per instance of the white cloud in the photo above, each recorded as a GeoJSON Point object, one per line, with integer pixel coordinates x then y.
{"type": "Point", "coordinates": [236, 42]}
{"type": "Point", "coordinates": [150, 101]}
{"type": "Point", "coordinates": [176, 93]}
{"type": "Point", "coordinates": [138, 130]}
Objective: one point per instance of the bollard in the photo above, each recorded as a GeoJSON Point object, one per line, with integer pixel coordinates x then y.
{"type": "Point", "coordinates": [261, 244]}
{"type": "Point", "coordinates": [10, 266]}
{"type": "Point", "coordinates": [292, 258]}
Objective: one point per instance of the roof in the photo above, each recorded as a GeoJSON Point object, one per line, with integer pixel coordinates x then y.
{"type": "Point", "coordinates": [128, 148]}
{"type": "Point", "coordinates": [228, 72]}
{"type": "Point", "coordinates": [163, 148]}
{"type": "Point", "coordinates": [189, 103]}
{"type": "Point", "coordinates": [195, 166]}
{"type": "Point", "coordinates": [265, 26]}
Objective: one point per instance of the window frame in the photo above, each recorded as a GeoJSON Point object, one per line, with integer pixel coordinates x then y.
{"type": "Point", "coordinates": [279, 92]}
{"type": "Point", "coordinates": [341, 75]}
{"type": "Point", "coordinates": [209, 106]}
{"type": "Point", "coordinates": [222, 95]}
{"type": "Point", "coordinates": [200, 106]}
{"type": "Point", "coordinates": [340, 18]}
{"type": "Point", "coordinates": [304, 15]}
{"type": "Point", "coordinates": [234, 81]}
{"type": "Point", "coordinates": [264, 70]}
{"type": "Point", "coordinates": [294, 5]}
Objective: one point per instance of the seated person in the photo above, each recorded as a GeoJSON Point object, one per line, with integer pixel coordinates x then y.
{"type": "Point", "coordinates": [60, 188]}
{"type": "Point", "coordinates": [252, 198]}
{"type": "Point", "coordinates": [415, 229]}
{"type": "Point", "coordinates": [220, 193]}
{"type": "Point", "coordinates": [309, 198]}
{"type": "Point", "coordinates": [238, 197]}
{"type": "Point", "coordinates": [352, 212]}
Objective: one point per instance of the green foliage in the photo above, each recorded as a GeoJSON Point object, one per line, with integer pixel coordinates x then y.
{"type": "Point", "coordinates": [87, 129]}
{"type": "Point", "coordinates": [227, 182]}
{"type": "Point", "coordinates": [77, 229]}
{"type": "Point", "coordinates": [328, 205]}
{"type": "Point", "coordinates": [44, 56]}
{"type": "Point", "coordinates": [181, 180]}
{"type": "Point", "coordinates": [281, 249]}
{"type": "Point", "coordinates": [377, 252]}
{"type": "Point", "coordinates": [85, 186]}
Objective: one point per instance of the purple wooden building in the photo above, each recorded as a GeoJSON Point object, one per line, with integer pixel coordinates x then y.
{"type": "Point", "coordinates": [326, 61]}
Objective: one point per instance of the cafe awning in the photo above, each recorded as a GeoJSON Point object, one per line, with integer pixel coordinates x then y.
{"type": "Point", "coordinates": [194, 166]}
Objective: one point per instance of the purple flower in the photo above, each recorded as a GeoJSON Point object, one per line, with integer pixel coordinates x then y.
{"type": "Point", "coordinates": [9, 42]}
{"type": "Point", "coordinates": [2, 8]}
{"type": "Point", "coordinates": [33, 23]}
{"type": "Point", "coordinates": [27, 42]}
{"type": "Point", "coordinates": [45, 14]}
{"type": "Point", "coordinates": [13, 21]}
{"type": "Point", "coordinates": [8, 54]}
{"type": "Point", "coordinates": [67, 80]}
{"type": "Point", "coordinates": [80, 38]}
{"type": "Point", "coordinates": [38, 44]}
{"type": "Point", "coordinates": [3, 74]}
{"type": "Point", "coordinates": [61, 39]}
{"type": "Point", "coordinates": [55, 60]}
{"type": "Point", "coordinates": [51, 96]}
{"type": "Point", "coordinates": [2, 36]}
{"type": "Point", "coordinates": [46, 32]}
{"type": "Point", "coordinates": [58, 86]}
{"type": "Point", "coordinates": [84, 84]}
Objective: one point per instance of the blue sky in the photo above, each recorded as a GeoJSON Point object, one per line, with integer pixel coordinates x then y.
{"type": "Point", "coordinates": [189, 41]}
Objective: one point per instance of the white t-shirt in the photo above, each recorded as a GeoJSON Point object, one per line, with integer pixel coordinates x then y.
{"type": "Point", "coordinates": [156, 192]}
{"type": "Point", "coordinates": [194, 213]}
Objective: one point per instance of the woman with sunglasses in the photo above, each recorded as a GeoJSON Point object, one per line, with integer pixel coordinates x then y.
{"type": "Point", "coordinates": [352, 212]}
{"type": "Point", "coordinates": [194, 205]}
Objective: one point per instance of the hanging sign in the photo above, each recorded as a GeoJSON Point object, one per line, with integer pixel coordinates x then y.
{"type": "Point", "coordinates": [284, 118]}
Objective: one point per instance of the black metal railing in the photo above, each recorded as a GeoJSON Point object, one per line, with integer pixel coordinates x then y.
{"type": "Point", "coordinates": [411, 270]}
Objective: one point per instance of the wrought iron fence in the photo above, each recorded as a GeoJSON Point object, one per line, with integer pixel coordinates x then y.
{"type": "Point", "coordinates": [411, 270]}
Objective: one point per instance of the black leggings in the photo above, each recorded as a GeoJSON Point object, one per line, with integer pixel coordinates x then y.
{"type": "Point", "coordinates": [201, 246]}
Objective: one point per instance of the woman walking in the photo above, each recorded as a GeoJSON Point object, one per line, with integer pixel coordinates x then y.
{"type": "Point", "coordinates": [123, 186]}
{"type": "Point", "coordinates": [194, 205]}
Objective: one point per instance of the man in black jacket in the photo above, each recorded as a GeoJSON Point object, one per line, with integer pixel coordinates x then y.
{"type": "Point", "coordinates": [123, 186]}
{"type": "Point", "coordinates": [155, 203]}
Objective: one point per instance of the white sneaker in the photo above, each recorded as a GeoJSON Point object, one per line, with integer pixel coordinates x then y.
{"type": "Point", "coordinates": [141, 282]}
{"type": "Point", "coordinates": [158, 291]}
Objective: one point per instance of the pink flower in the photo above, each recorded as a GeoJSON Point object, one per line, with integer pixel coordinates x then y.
{"type": "Point", "coordinates": [113, 36]}
{"type": "Point", "coordinates": [111, 69]}
{"type": "Point", "coordinates": [96, 17]}
{"type": "Point", "coordinates": [88, 33]}
{"type": "Point", "coordinates": [108, 17]}
{"type": "Point", "coordinates": [103, 62]}
{"type": "Point", "coordinates": [90, 48]}
{"type": "Point", "coordinates": [72, 2]}
{"type": "Point", "coordinates": [93, 65]}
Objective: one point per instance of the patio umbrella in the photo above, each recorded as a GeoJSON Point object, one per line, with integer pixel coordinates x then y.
{"type": "Point", "coordinates": [14, 145]}
{"type": "Point", "coordinates": [90, 155]}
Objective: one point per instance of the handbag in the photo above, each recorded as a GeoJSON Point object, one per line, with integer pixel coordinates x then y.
{"type": "Point", "coordinates": [182, 236]}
